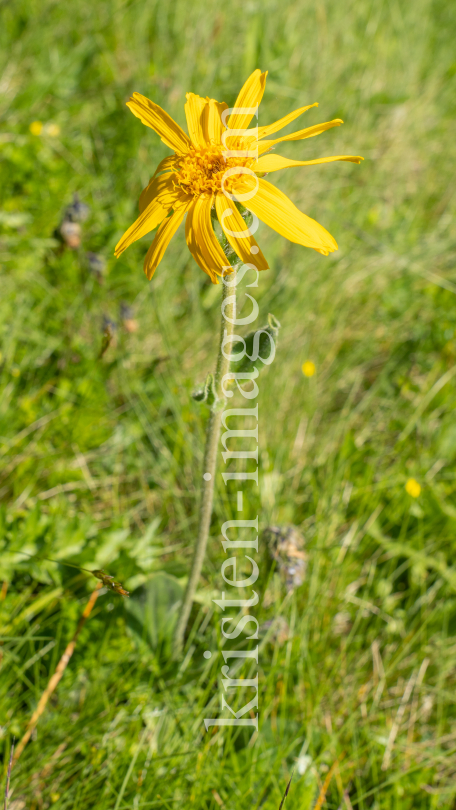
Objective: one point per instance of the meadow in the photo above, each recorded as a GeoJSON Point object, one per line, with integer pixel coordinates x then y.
{"type": "Point", "coordinates": [102, 450]}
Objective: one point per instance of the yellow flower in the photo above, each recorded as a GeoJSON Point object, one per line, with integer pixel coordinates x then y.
{"type": "Point", "coordinates": [308, 368]}
{"type": "Point", "coordinates": [36, 127]}
{"type": "Point", "coordinates": [413, 488]}
{"type": "Point", "coordinates": [221, 162]}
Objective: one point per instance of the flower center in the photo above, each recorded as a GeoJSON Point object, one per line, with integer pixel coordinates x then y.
{"type": "Point", "coordinates": [201, 171]}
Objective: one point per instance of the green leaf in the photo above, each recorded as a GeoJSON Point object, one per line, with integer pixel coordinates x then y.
{"type": "Point", "coordinates": [153, 608]}
{"type": "Point", "coordinates": [208, 394]}
{"type": "Point", "coordinates": [259, 349]}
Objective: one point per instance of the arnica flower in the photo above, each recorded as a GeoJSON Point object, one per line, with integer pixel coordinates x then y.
{"type": "Point", "coordinates": [218, 165]}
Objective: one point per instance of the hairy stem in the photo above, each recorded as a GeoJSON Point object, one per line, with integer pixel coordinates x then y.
{"type": "Point", "coordinates": [209, 464]}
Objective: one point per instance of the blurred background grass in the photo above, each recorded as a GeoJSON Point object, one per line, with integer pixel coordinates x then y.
{"type": "Point", "coordinates": [101, 457]}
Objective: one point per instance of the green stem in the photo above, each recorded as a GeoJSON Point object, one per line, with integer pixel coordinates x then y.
{"type": "Point", "coordinates": [209, 466]}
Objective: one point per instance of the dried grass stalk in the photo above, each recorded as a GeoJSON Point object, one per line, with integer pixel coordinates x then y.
{"type": "Point", "coordinates": [56, 677]}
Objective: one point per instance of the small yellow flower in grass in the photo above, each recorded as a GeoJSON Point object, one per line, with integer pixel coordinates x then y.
{"type": "Point", "coordinates": [309, 368]}
{"type": "Point", "coordinates": [36, 127]}
{"type": "Point", "coordinates": [413, 488]}
{"type": "Point", "coordinates": [219, 163]}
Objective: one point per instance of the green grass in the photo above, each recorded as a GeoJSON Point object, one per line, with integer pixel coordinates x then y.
{"type": "Point", "coordinates": [101, 457]}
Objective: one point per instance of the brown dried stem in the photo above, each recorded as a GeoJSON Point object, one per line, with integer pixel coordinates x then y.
{"type": "Point", "coordinates": [56, 677]}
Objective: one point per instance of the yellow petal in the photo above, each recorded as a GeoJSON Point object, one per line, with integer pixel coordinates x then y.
{"type": "Point", "coordinates": [166, 166]}
{"type": "Point", "coordinates": [212, 121]}
{"type": "Point", "coordinates": [250, 95]}
{"type": "Point", "coordinates": [153, 116]}
{"type": "Point", "coordinates": [194, 114]}
{"type": "Point", "coordinates": [163, 196]}
{"type": "Point", "coordinates": [162, 239]}
{"type": "Point", "coordinates": [276, 210]}
{"type": "Point", "coordinates": [234, 222]}
{"type": "Point", "coordinates": [202, 241]}
{"type": "Point", "coordinates": [263, 132]}
{"type": "Point", "coordinates": [301, 134]}
{"type": "Point", "coordinates": [272, 163]}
